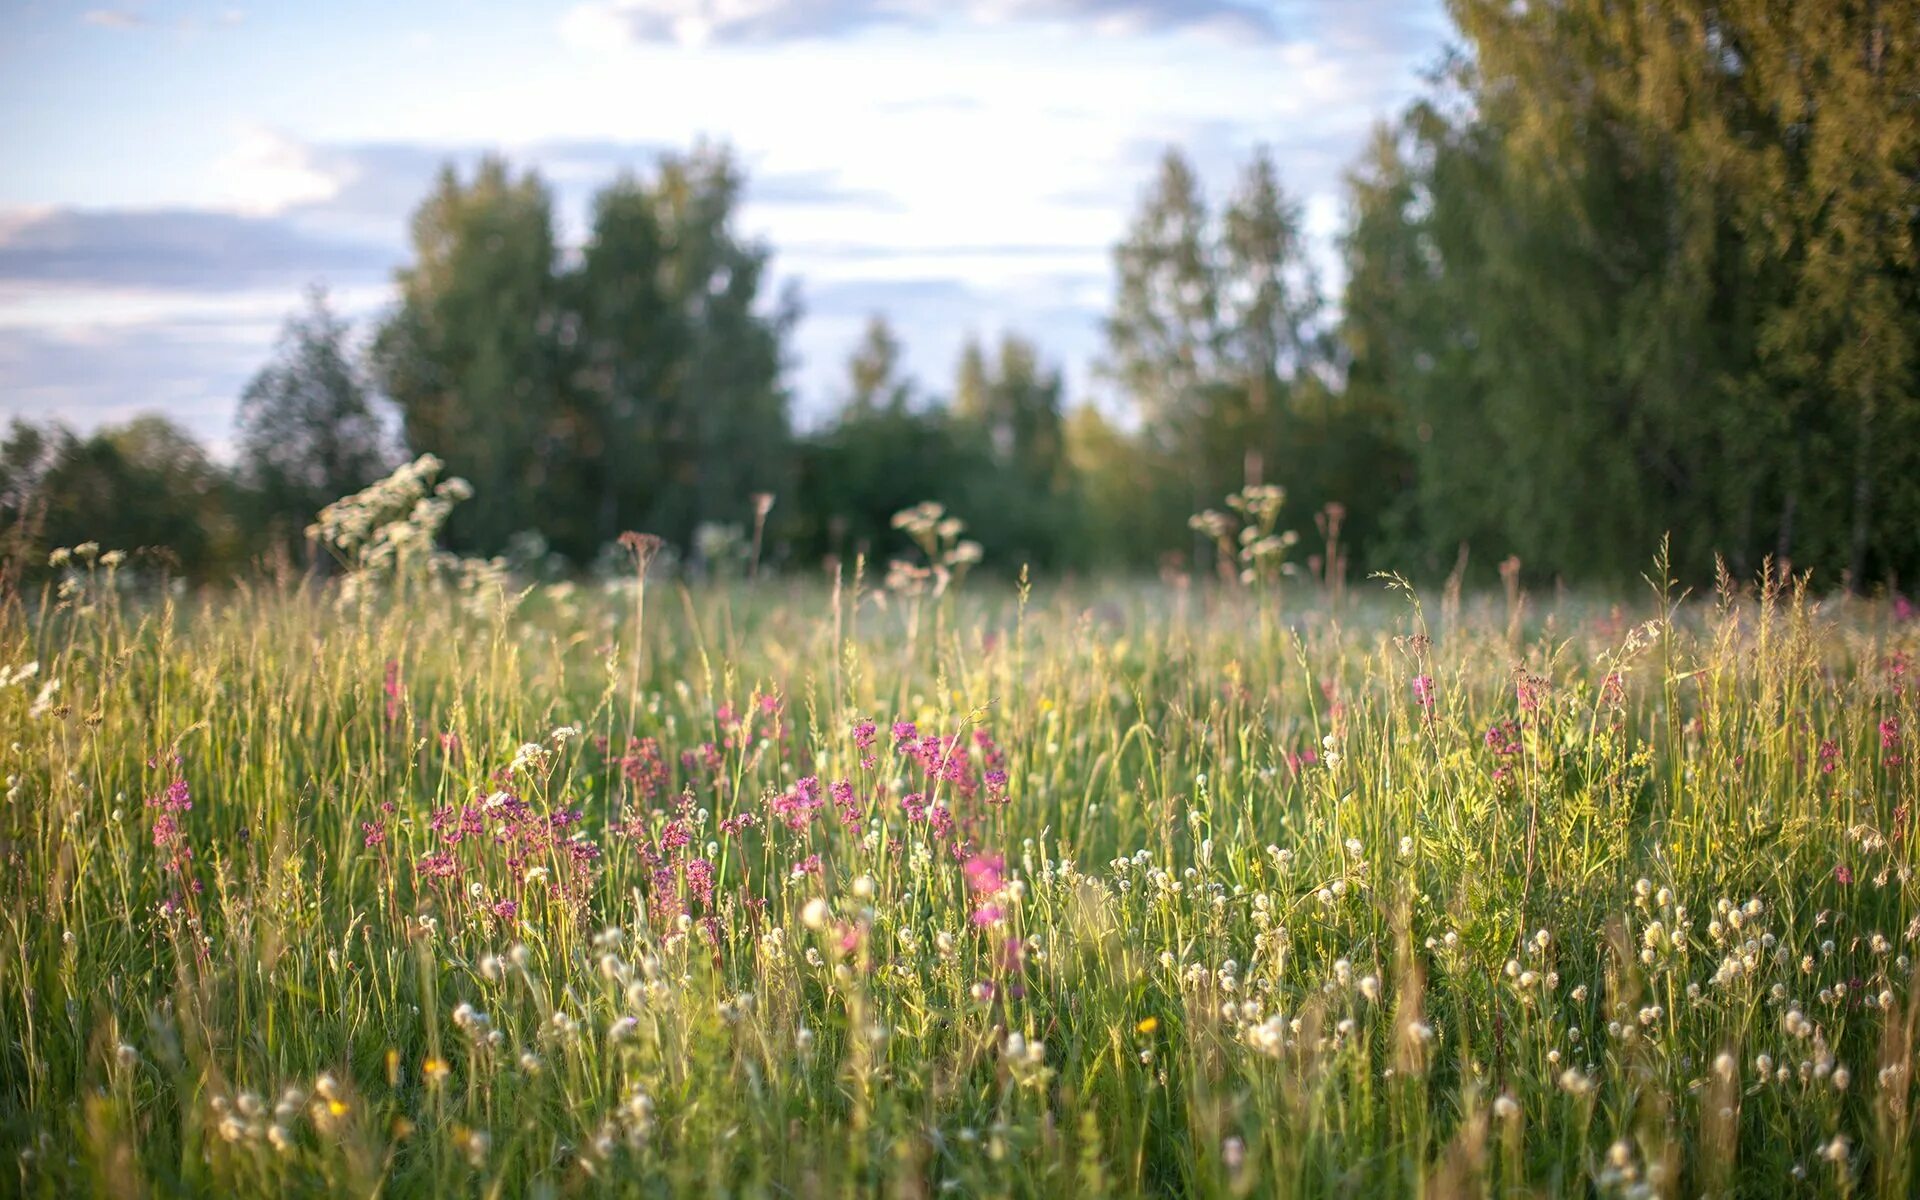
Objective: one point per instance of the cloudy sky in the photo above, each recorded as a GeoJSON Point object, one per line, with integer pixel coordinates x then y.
{"type": "Point", "coordinates": [173, 174]}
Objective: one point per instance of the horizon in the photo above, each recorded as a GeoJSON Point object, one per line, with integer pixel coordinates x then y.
{"type": "Point", "coordinates": [182, 173]}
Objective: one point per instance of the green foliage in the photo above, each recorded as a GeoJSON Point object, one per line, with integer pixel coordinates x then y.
{"type": "Point", "coordinates": [1625, 275]}
{"type": "Point", "coordinates": [1600, 274]}
{"type": "Point", "coordinates": [1009, 408]}
{"type": "Point", "coordinates": [887, 451]}
{"type": "Point", "coordinates": [1218, 338]}
{"type": "Point", "coordinates": [306, 428]}
{"type": "Point", "coordinates": [682, 369]}
{"type": "Point", "coordinates": [420, 897]}
{"type": "Point", "coordinates": [145, 487]}
{"type": "Point", "coordinates": [476, 355]}
{"type": "Point", "coordinates": [640, 389]}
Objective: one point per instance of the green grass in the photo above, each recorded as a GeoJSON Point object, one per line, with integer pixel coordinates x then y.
{"type": "Point", "coordinates": [1653, 934]}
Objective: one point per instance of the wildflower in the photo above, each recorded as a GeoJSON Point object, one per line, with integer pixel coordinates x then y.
{"type": "Point", "coordinates": [983, 872]}
{"type": "Point", "coordinates": [864, 732]}
{"type": "Point", "coordinates": [700, 880]}
{"type": "Point", "coordinates": [1026, 1060]}
{"type": "Point", "coordinates": [392, 689]}
{"type": "Point", "coordinates": [476, 1143]}
{"type": "Point", "coordinates": [814, 914]}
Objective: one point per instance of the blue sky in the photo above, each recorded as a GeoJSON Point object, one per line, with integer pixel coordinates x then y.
{"type": "Point", "coordinates": [176, 173]}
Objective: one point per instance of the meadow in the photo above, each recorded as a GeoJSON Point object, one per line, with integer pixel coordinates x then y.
{"type": "Point", "coordinates": [418, 882]}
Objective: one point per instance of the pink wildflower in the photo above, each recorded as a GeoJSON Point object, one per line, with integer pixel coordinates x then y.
{"type": "Point", "coordinates": [984, 872]}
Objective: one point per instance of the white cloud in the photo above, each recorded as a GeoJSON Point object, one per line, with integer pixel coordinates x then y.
{"type": "Point", "coordinates": [964, 164]}
{"type": "Point", "coordinates": [761, 22]}
{"type": "Point", "coordinates": [132, 17]}
{"type": "Point", "coordinates": [113, 18]}
{"type": "Point", "coordinates": [270, 171]}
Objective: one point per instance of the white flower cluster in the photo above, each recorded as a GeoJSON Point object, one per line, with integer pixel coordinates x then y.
{"type": "Point", "coordinates": [1026, 1060]}
{"type": "Point", "coordinates": [393, 522]}
{"type": "Point", "coordinates": [938, 536]}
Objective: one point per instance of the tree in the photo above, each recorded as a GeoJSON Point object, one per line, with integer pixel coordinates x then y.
{"type": "Point", "coordinates": [307, 430]}
{"type": "Point", "coordinates": [1009, 406]}
{"type": "Point", "coordinates": [885, 452]}
{"type": "Point", "coordinates": [1163, 336]}
{"type": "Point", "coordinates": [476, 357]}
{"type": "Point", "coordinates": [144, 487]}
{"type": "Point", "coordinates": [629, 340]}
{"type": "Point", "coordinates": [875, 379]}
{"type": "Point", "coordinates": [1217, 340]}
{"type": "Point", "coordinates": [685, 403]}
{"type": "Point", "coordinates": [1646, 269]}
{"type": "Point", "coordinates": [1407, 337]}
{"type": "Point", "coordinates": [1270, 303]}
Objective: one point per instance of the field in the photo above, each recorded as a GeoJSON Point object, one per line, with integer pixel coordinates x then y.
{"type": "Point", "coordinates": [791, 888]}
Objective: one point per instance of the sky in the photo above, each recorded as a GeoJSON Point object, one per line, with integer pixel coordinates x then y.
{"type": "Point", "coordinates": [173, 175]}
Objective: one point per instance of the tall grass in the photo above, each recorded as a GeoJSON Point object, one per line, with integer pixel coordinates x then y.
{"type": "Point", "coordinates": [408, 893]}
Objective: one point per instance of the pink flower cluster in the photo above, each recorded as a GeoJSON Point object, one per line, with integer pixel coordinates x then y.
{"type": "Point", "coordinates": [944, 759]}
{"type": "Point", "coordinates": [985, 875]}
{"type": "Point", "coordinates": [1423, 693]}
{"type": "Point", "coordinates": [168, 834]}
{"type": "Point", "coordinates": [954, 777]}
{"type": "Point", "coordinates": [504, 832]}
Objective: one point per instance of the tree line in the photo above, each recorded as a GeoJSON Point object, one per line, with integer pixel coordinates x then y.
{"type": "Point", "coordinates": [1622, 272]}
